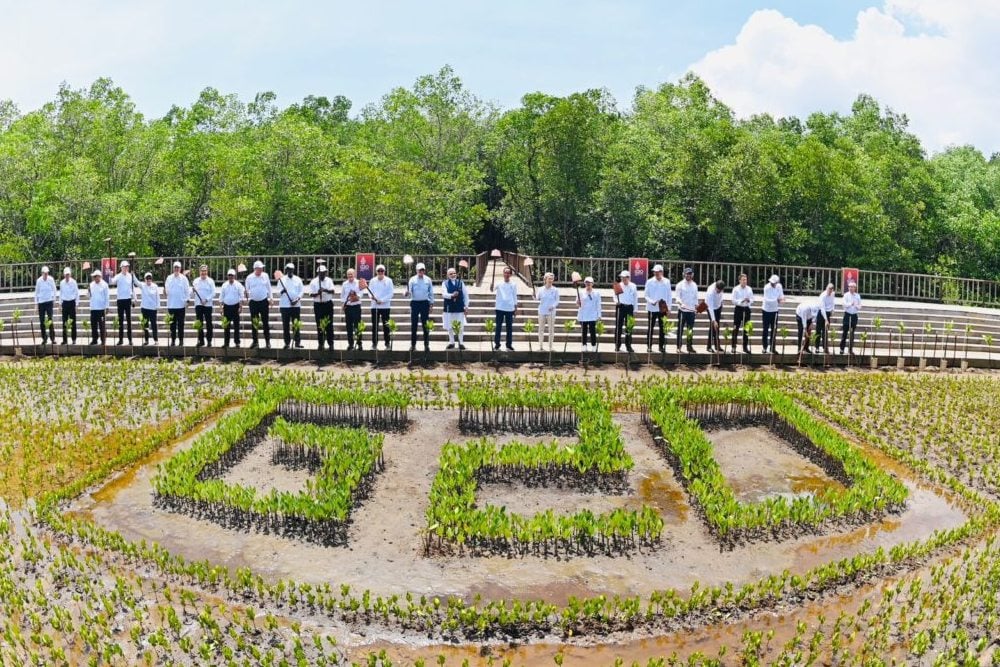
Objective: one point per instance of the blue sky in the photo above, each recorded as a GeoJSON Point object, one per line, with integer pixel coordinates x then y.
{"type": "Point", "coordinates": [783, 57]}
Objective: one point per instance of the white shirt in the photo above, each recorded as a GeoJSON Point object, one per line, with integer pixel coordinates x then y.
{"type": "Point", "coordinates": [713, 299]}
{"type": "Point", "coordinates": [421, 289]}
{"type": "Point", "coordinates": [124, 282]}
{"type": "Point", "coordinates": [150, 296]}
{"type": "Point", "coordinates": [69, 290]}
{"type": "Point", "coordinates": [203, 291]}
{"type": "Point", "coordinates": [771, 295]}
{"type": "Point", "coordinates": [590, 306]}
{"type": "Point", "coordinates": [178, 290]}
{"type": "Point", "coordinates": [291, 293]}
{"type": "Point", "coordinates": [687, 295]}
{"type": "Point", "coordinates": [232, 293]}
{"type": "Point", "coordinates": [827, 301]}
{"type": "Point", "coordinates": [807, 311]}
{"type": "Point", "coordinates": [316, 287]}
{"type": "Point", "coordinates": [100, 295]}
{"type": "Point", "coordinates": [852, 303]}
{"type": "Point", "coordinates": [381, 288]}
{"type": "Point", "coordinates": [258, 287]}
{"type": "Point", "coordinates": [629, 295]}
{"type": "Point", "coordinates": [548, 300]}
{"type": "Point", "coordinates": [742, 296]}
{"type": "Point", "coordinates": [349, 287]}
{"type": "Point", "coordinates": [506, 296]}
{"type": "Point", "coordinates": [655, 291]}
{"type": "Point", "coordinates": [45, 290]}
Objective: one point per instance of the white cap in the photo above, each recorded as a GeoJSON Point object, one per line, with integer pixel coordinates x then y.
{"type": "Point", "coordinates": [148, 275]}
{"type": "Point", "coordinates": [380, 267]}
{"type": "Point", "coordinates": [321, 268]}
{"type": "Point", "coordinates": [624, 274]}
{"type": "Point", "coordinates": [67, 271]}
{"type": "Point", "coordinates": [588, 279]}
{"type": "Point", "coordinates": [231, 272]}
{"type": "Point", "coordinates": [657, 267]}
{"type": "Point", "coordinates": [125, 264]}
{"type": "Point", "coordinates": [45, 269]}
{"type": "Point", "coordinates": [773, 279]}
{"type": "Point", "coordinates": [177, 265]}
{"type": "Point", "coordinates": [95, 273]}
{"type": "Point", "coordinates": [421, 267]}
{"type": "Point", "coordinates": [258, 264]}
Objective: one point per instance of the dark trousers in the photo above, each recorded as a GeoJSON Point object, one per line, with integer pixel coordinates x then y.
{"type": "Point", "coordinates": [290, 314]}
{"type": "Point", "coordinates": [850, 324]}
{"type": "Point", "coordinates": [125, 315]}
{"type": "Point", "coordinates": [323, 312]}
{"type": "Point", "coordinates": [380, 315]}
{"type": "Point", "coordinates": [419, 311]}
{"type": "Point", "coordinates": [203, 314]}
{"type": "Point", "coordinates": [653, 319]}
{"type": "Point", "coordinates": [176, 324]}
{"type": "Point", "coordinates": [69, 320]}
{"type": "Point", "coordinates": [149, 315]}
{"type": "Point", "coordinates": [822, 321]}
{"type": "Point", "coordinates": [504, 317]}
{"type": "Point", "coordinates": [352, 318]}
{"type": "Point", "coordinates": [260, 310]}
{"type": "Point", "coordinates": [589, 328]}
{"type": "Point", "coordinates": [685, 320]}
{"type": "Point", "coordinates": [231, 313]}
{"type": "Point", "coordinates": [713, 330]}
{"type": "Point", "coordinates": [97, 326]}
{"type": "Point", "coordinates": [803, 332]}
{"type": "Point", "coordinates": [624, 312]}
{"type": "Point", "coordinates": [45, 313]}
{"type": "Point", "coordinates": [770, 329]}
{"type": "Point", "coordinates": [741, 315]}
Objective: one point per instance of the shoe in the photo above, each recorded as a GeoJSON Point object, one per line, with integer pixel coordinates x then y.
{"type": "Point", "coordinates": [225, 346]}
{"type": "Point", "coordinates": [253, 344]}
{"type": "Point", "coordinates": [618, 348]}
{"type": "Point", "coordinates": [808, 351]}
{"type": "Point", "coordinates": [690, 350]}
{"type": "Point", "coordinates": [237, 343]}
{"type": "Point", "coordinates": [64, 342]}
{"type": "Point", "coordinates": [287, 345]}
{"type": "Point", "coordinates": [359, 347]}
{"type": "Point", "coordinates": [710, 350]}
{"type": "Point", "coordinates": [93, 342]}
{"type": "Point", "coordinates": [496, 348]}
{"type": "Point", "coordinates": [746, 350]}
{"type": "Point", "coordinates": [510, 348]}
{"type": "Point", "coordinates": [320, 345]}
{"type": "Point", "coordinates": [413, 348]}
{"type": "Point", "coordinates": [145, 343]}
{"type": "Point", "coordinates": [629, 349]}
{"type": "Point", "coordinates": [449, 346]}
{"type": "Point", "coordinates": [679, 349]}
{"type": "Point", "coordinates": [764, 351]}
{"type": "Point", "coordinates": [461, 346]}
{"type": "Point", "coordinates": [663, 350]}
{"type": "Point", "coordinates": [130, 342]}
{"type": "Point", "coordinates": [298, 346]}
{"type": "Point", "coordinates": [267, 345]}
{"type": "Point", "coordinates": [118, 343]}
{"type": "Point", "coordinates": [842, 351]}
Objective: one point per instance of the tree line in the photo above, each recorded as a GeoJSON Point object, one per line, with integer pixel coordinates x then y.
{"type": "Point", "coordinates": [434, 168]}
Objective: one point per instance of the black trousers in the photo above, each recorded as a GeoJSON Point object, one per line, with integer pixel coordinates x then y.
{"type": "Point", "coordinates": [504, 316]}
{"type": "Point", "coordinates": [352, 317]}
{"type": "Point", "coordinates": [290, 314]}
{"type": "Point", "coordinates": [653, 319]}
{"type": "Point", "coordinates": [149, 315]}
{"type": "Point", "coordinates": [125, 315]}
{"type": "Point", "coordinates": [770, 329]}
{"type": "Point", "coordinates": [589, 328]}
{"type": "Point", "coordinates": [741, 315]}
{"type": "Point", "coordinates": [850, 323]}
{"type": "Point", "coordinates": [822, 321]}
{"type": "Point", "coordinates": [176, 324]}
{"type": "Point", "coordinates": [419, 312]}
{"type": "Point", "coordinates": [323, 312]}
{"type": "Point", "coordinates": [380, 315]}
{"type": "Point", "coordinates": [713, 331]}
{"type": "Point", "coordinates": [260, 310]}
{"type": "Point", "coordinates": [685, 320]}
{"type": "Point", "coordinates": [46, 313]}
{"type": "Point", "coordinates": [97, 326]}
{"type": "Point", "coordinates": [231, 313]}
{"type": "Point", "coordinates": [203, 314]}
{"type": "Point", "coordinates": [69, 320]}
{"type": "Point", "coordinates": [803, 330]}
{"type": "Point", "coordinates": [624, 311]}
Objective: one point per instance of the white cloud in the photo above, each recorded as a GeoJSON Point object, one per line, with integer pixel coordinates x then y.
{"type": "Point", "coordinates": [933, 61]}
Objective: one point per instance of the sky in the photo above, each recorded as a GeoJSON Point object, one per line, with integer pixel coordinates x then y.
{"type": "Point", "coordinates": [933, 60]}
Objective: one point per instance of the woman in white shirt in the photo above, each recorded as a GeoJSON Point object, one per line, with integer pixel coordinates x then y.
{"type": "Point", "coordinates": [548, 301]}
{"type": "Point", "coordinates": [589, 303]}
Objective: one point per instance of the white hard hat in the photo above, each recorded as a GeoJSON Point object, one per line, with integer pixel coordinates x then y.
{"type": "Point", "coordinates": [231, 272]}
{"type": "Point", "coordinates": [773, 279]}
{"type": "Point", "coordinates": [45, 269]}
{"type": "Point", "coordinates": [421, 267]}
{"type": "Point", "coordinates": [657, 267]}
{"type": "Point", "coordinates": [95, 273]}
{"type": "Point", "coordinates": [624, 274]}
{"type": "Point", "coordinates": [258, 264]}
{"type": "Point", "coordinates": [67, 271]}
{"type": "Point", "coordinates": [380, 267]}
{"type": "Point", "coordinates": [588, 279]}
{"type": "Point", "coordinates": [177, 265]}
{"type": "Point", "coordinates": [125, 264]}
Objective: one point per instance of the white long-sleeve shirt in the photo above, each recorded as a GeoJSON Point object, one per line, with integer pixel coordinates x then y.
{"type": "Point", "coordinates": [349, 287]}
{"type": "Point", "coordinates": [687, 295]}
{"type": "Point", "coordinates": [124, 282]}
{"type": "Point", "coordinates": [382, 289]}
{"type": "Point", "coordinates": [69, 290]}
{"type": "Point", "coordinates": [421, 289]}
{"type": "Point", "coordinates": [827, 301]}
{"type": "Point", "coordinates": [100, 295]}
{"type": "Point", "coordinates": [655, 291]}
{"type": "Point", "coordinates": [852, 303]}
{"type": "Point", "coordinates": [150, 296]}
{"type": "Point", "coordinates": [178, 289]}
{"type": "Point", "coordinates": [506, 296]}
{"type": "Point", "coordinates": [742, 296]}
{"type": "Point", "coordinates": [446, 295]}
{"type": "Point", "coordinates": [203, 291]}
{"type": "Point", "coordinates": [713, 299]}
{"type": "Point", "coordinates": [548, 300]}
{"type": "Point", "coordinates": [590, 306]}
{"type": "Point", "coordinates": [771, 295]}
{"type": "Point", "coordinates": [232, 293]}
{"type": "Point", "coordinates": [290, 290]}
{"type": "Point", "coordinates": [258, 287]}
{"type": "Point", "coordinates": [317, 287]}
{"type": "Point", "coordinates": [45, 290]}
{"type": "Point", "coordinates": [629, 295]}
{"type": "Point", "coordinates": [807, 310]}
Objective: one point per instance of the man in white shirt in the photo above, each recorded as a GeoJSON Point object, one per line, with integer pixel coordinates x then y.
{"type": "Point", "coordinates": [232, 295]}
{"type": "Point", "coordinates": [350, 300]}
{"type": "Point", "coordinates": [149, 306]}
{"type": "Point", "coordinates": [290, 289]}
{"type": "Point", "coordinates": [124, 283]}
{"type": "Point", "coordinates": [455, 304]}
{"type": "Point", "coordinates": [852, 306]}
{"type": "Point", "coordinates": [259, 297]}
{"type": "Point", "coordinates": [548, 301]}
{"type": "Point", "coordinates": [380, 294]}
{"type": "Point", "coordinates": [420, 289]}
{"type": "Point", "coordinates": [69, 296]}
{"type": "Point", "coordinates": [687, 305]}
{"type": "Point", "coordinates": [45, 298]}
{"type": "Point", "coordinates": [203, 295]}
{"type": "Point", "coordinates": [658, 299]}
{"type": "Point", "coordinates": [100, 297]}
{"type": "Point", "coordinates": [588, 314]}
{"type": "Point", "coordinates": [742, 301]}
{"type": "Point", "coordinates": [322, 291]}
{"type": "Point", "coordinates": [628, 299]}
{"type": "Point", "coordinates": [713, 301]}
{"type": "Point", "coordinates": [178, 289]}
{"type": "Point", "coordinates": [506, 308]}
{"type": "Point", "coordinates": [827, 302]}
{"type": "Point", "coordinates": [774, 296]}
{"type": "Point", "coordinates": [805, 313]}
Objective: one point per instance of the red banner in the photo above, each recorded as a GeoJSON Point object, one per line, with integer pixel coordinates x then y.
{"type": "Point", "coordinates": [849, 276]}
{"type": "Point", "coordinates": [364, 264]}
{"type": "Point", "coordinates": [109, 267]}
{"type": "Point", "coordinates": [638, 267]}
